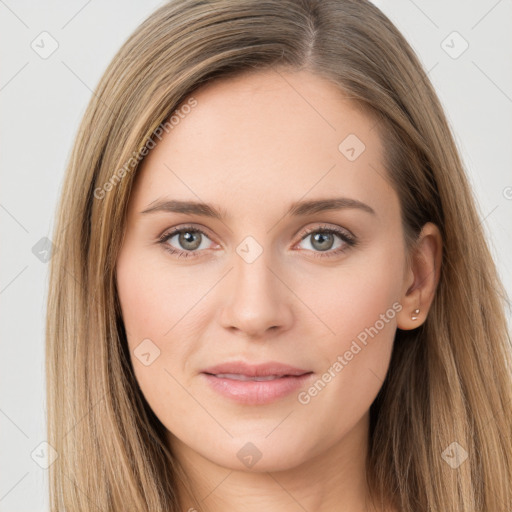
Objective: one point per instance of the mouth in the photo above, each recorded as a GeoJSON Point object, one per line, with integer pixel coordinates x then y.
{"type": "Point", "coordinates": [237, 376]}
{"type": "Point", "coordinates": [255, 384]}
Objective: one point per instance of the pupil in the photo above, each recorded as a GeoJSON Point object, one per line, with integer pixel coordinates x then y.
{"type": "Point", "coordinates": [322, 237]}
{"type": "Point", "coordinates": [187, 238]}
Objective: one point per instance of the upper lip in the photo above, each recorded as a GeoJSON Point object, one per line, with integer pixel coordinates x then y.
{"type": "Point", "coordinates": [255, 370]}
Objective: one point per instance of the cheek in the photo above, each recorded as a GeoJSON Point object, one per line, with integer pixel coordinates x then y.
{"type": "Point", "coordinates": [358, 294]}
{"type": "Point", "coordinates": [153, 299]}
{"type": "Point", "coordinates": [159, 311]}
{"type": "Point", "coordinates": [359, 303]}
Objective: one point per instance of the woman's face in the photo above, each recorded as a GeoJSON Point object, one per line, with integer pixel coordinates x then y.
{"type": "Point", "coordinates": [257, 337]}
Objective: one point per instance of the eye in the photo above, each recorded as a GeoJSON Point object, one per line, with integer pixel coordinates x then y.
{"type": "Point", "coordinates": [189, 239]}
{"type": "Point", "coordinates": [324, 238]}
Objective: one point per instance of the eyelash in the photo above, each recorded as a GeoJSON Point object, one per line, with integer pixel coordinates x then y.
{"type": "Point", "coordinates": [350, 240]}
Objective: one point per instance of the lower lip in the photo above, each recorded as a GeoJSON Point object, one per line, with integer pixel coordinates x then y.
{"type": "Point", "coordinates": [253, 392]}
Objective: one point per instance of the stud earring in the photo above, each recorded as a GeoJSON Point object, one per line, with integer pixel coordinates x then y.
{"type": "Point", "coordinates": [414, 313]}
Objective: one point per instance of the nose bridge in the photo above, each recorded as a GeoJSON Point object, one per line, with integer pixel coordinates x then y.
{"type": "Point", "coordinates": [252, 271]}
{"type": "Point", "coordinates": [256, 301]}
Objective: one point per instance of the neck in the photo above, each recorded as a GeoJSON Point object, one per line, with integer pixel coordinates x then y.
{"type": "Point", "coordinates": [333, 480]}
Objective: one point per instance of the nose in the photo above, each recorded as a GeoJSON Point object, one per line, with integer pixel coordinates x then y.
{"type": "Point", "coordinates": [257, 300]}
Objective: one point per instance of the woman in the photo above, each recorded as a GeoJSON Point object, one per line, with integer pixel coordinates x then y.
{"type": "Point", "coordinates": [273, 289]}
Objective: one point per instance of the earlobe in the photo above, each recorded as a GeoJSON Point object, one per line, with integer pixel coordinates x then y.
{"type": "Point", "coordinates": [408, 319]}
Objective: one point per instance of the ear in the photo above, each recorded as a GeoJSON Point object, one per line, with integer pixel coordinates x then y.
{"type": "Point", "coordinates": [421, 278]}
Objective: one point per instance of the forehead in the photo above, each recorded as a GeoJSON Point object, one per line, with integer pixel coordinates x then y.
{"type": "Point", "coordinates": [270, 136]}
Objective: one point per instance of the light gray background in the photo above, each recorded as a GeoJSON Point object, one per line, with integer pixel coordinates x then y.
{"type": "Point", "coordinates": [43, 100]}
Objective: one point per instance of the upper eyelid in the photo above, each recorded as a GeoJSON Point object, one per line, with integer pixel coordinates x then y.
{"type": "Point", "coordinates": [175, 231]}
{"type": "Point", "coordinates": [324, 227]}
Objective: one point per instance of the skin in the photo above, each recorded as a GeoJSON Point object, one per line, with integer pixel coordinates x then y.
{"type": "Point", "coordinates": [252, 146]}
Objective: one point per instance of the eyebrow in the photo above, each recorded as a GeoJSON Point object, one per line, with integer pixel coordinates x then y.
{"type": "Point", "coordinates": [300, 208]}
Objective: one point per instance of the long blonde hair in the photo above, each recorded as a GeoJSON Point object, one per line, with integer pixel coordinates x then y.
{"type": "Point", "coordinates": [449, 380]}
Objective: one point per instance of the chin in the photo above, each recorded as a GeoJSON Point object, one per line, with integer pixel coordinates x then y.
{"type": "Point", "coordinates": [257, 454]}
